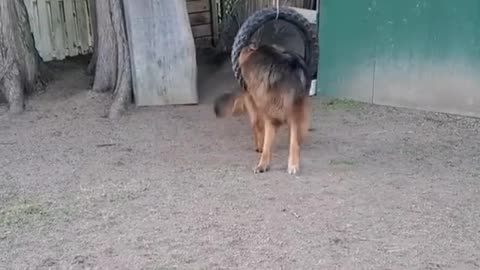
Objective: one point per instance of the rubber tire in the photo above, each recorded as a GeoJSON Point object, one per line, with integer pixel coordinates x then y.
{"type": "Point", "coordinates": [265, 15]}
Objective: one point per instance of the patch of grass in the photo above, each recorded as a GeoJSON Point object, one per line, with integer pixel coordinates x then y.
{"type": "Point", "coordinates": [342, 162]}
{"type": "Point", "coordinates": [345, 104]}
{"type": "Point", "coordinates": [166, 268]}
{"type": "Point", "coordinates": [22, 213]}
{"type": "Point", "coordinates": [475, 175]}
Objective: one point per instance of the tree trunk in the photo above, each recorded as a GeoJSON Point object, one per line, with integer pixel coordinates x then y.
{"type": "Point", "coordinates": [112, 63]}
{"type": "Point", "coordinates": [20, 64]}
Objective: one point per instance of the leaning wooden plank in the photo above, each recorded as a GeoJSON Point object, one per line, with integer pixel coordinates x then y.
{"type": "Point", "coordinates": [162, 52]}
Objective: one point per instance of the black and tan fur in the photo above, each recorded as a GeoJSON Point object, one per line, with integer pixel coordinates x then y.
{"type": "Point", "coordinates": [277, 85]}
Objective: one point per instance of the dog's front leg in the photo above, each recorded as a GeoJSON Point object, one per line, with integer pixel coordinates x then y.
{"type": "Point", "coordinates": [266, 156]}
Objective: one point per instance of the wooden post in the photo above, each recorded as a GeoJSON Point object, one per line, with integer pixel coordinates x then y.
{"type": "Point", "coordinates": [214, 16]}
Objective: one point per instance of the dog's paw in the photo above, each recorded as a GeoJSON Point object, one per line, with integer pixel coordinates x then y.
{"type": "Point", "coordinates": [293, 169]}
{"type": "Point", "coordinates": [261, 169]}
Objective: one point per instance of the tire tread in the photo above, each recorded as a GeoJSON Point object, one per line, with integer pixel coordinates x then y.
{"type": "Point", "coordinates": [262, 16]}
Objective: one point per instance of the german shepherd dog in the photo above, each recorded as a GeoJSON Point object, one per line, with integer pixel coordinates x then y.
{"type": "Point", "coordinates": [277, 83]}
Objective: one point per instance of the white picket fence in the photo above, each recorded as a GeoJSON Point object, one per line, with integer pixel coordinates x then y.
{"type": "Point", "coordinates": [61, 28]}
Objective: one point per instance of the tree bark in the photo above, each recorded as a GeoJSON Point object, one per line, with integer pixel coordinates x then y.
{"type": "Point", "coordinates": [112, 63]}
{"type": "Point", "coordinates": [20, 64]}
{"type": "Point", "coordinates": [106, 62]}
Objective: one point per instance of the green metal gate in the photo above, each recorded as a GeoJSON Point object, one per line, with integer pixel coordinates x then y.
{"type": "Point", "coordinates": [419, 54]}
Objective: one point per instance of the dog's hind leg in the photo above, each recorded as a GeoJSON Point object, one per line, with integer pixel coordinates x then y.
{"type": "Point", "coordinates": [294, 151]}
{"type": "Point", "coordinates": [299, 126]}
{"type": "Point", "coordinates": [305, 119]}
{"type": "Point", "coordinates": [266, 156]}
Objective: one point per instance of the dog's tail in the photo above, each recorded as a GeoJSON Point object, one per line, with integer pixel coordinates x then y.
{"type": "Point", "coordinates": [229, 104]}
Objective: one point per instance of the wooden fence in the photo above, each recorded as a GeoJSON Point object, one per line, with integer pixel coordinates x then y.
{"type": "Point", "coordinates": [203, 20]}
{"type": "Point", "coordinates": [61, 28]}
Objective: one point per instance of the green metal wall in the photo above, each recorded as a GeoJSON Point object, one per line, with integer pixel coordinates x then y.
{"type": "Point", "coordinates": [422, 54]}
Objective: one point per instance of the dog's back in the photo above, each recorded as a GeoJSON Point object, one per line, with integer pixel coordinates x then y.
{"type": "Point", "coordinates": [277, 80]}
{"type": "Point", "coordinates": [276, 65]}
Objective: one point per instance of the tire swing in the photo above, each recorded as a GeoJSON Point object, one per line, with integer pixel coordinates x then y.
{"type": "Point", "coordinates": [263, 16]}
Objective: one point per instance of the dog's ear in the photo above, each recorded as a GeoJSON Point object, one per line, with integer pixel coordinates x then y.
{"type": "Point", "coordinates": [245, 52]}
{"type": "Point", "coordinates": [252, 46]}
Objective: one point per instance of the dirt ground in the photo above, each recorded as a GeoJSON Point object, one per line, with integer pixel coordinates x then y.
{"type": "Point", "coordinates": [173, 187]}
